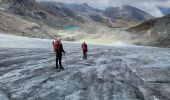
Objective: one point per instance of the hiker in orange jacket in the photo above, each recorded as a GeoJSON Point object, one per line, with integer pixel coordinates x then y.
{"type": "Point", "coordinates": [58, 49]}
{"type": "Point", "coordinates": [84, 48]}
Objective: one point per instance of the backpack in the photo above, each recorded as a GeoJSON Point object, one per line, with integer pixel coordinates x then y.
{"type": "Point", "coordinates": [56, 45]}
{"type": "Point", "coordinates": [84, 47]}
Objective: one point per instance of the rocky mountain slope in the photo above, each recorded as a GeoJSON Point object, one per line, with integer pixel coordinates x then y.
{"type": "Point", "coordinates": [90, 14]}
{"type": "Point", "coordinates": [14, 24]}
{"type": "Point", "coordinates": [83, 8]}
{"type": "Point", "coordinates": [48, 19]}
{"type": "Point", "coordinates": [87, 12]}
{"type": "Point", "coordinates": [126, 13]}
{"type": "Point", "coordinates": [22, 4]}
{"type": "Point", "coordinates": [123, 16]}
{"type": "Point", "coordinates": [58, 15]}
{"type": "Point", "coordinates": [154, 32]}
{"type": "Point", "coordinates": [11, 23]}
{"type": "Point", "coordinates": [55, 15]}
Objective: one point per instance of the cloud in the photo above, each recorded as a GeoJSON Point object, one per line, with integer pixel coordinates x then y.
{"type": "Point", "coordinates": [149, 6]}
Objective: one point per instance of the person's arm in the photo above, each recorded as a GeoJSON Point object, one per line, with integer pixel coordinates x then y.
{"type": "Point", "coordinates": [53, 43]}
{"type": "Point", "coordinates": [87, 48]}
{"type": "Point", "coordinates": [62, 48]}
{"type": "Point", "coordinates": [53, 46]}
{"type": "Point", "coordinates": [82, 46]}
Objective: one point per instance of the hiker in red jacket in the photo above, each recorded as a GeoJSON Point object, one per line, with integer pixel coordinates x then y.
{"type": "Point", "coordinates": [58, 49]}
{"type": "Point", "coordinates": [85, 50]}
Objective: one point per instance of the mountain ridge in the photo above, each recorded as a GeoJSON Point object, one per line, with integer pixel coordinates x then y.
{"type": "Point", "coordinates": [155, 32]}
{"type": "Point", "coordinates": [126, 12]}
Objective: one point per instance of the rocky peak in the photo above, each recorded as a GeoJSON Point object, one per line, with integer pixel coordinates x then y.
{"type": "Point", "coordinates": [127, 13]}
{"type": "Point", "coordinates": [22, 4]}
{"type": "Point", "coordinates": [85, 5]}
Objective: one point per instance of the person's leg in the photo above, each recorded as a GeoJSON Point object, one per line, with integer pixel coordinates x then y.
{"type": "Point", "coordinates": [57, 59]}
{"type": "Point", "coordinates": [85, 55]}
{"type": "Point", "coordinates": [60, 62]}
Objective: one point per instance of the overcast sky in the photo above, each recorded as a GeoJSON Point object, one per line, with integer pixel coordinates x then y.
{"type": "Point", "coordinates": [149, 6]}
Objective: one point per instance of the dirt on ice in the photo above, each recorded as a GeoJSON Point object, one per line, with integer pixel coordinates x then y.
{"type": "Point", "coordinates": [27, 72]}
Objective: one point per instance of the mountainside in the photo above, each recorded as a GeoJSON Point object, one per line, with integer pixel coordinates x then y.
{"type": "Point", "coordinates": [51, 14]}
{"type": "Point", "coordinates": [126, 13]}
{"type": "Point", "coordinates": [60, 10]}
{"type": "Point", "coordinates": [83, 8]}
{"type": "Point", "coordinates": [14, 24]}
{"type": "Point", "coordinates": [22, 4]}
{"type": "Point", "coordinates": [144, 26]}
{"type": "Point", "coordinates": [59, 15]}
{"type": "Point", "coordinates": [54, 19]}
{"type": "Point", "coordinates": [90, 14]}
{"type": "Point", "coordinates": [124, 16]}
{"type": "Point", "coordinates": [156, 32]}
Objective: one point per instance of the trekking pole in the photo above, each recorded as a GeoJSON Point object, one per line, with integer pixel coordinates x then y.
{"type": "Point", "coordinates": [65, 60]}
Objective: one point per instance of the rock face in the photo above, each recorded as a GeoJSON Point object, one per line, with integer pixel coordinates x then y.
{"type": "Point", "coordinates": [126, 13]}
{"type": "Point", "coordinates": [89, 13]}
{"type": "Point", "coordinates": [60, 10]}
{"type": "Point", "coordinates": [155, 31]}
{"type": "Point", "coordinates": [58, 15]}
{"type": "Point", "coordinates": [144, 26]}
{"type": "Point", "coordinates": [23, 4]}
{"type": "Point", "coordinates": [112, 16]}
{"type": "Point", "coordinates": [16, 25]}
{"type": "Point", "coordinates": [49, 13]}
{"type": "Point", "coordinates": [83, 8]}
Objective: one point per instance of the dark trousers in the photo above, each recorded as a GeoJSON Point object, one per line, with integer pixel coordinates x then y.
{"type": "Point", "coordinates": [59, 60]}
{"type": "Point", "coordinates": [85, 55]}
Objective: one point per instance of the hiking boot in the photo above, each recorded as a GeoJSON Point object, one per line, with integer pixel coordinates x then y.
{"type": "Point", "coordinates": [61, 67]}
{"type": "Point", "coordinates": [56, 67]}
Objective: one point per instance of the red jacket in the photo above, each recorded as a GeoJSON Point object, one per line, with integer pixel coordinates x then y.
{"type": "Point", "coordinates": [58, 48]}
{"type": "Point", "coordinates": [84, 47]}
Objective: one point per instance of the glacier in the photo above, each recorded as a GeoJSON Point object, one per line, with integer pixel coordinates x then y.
{"type": "Point", "coordinates": [126, 72]}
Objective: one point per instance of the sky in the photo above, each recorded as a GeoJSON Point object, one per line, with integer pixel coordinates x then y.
{"type": "Point", "coordinates": [149, 6]}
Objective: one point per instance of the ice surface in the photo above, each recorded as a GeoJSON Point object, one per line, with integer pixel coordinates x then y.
{"type": "Point", "coordinates": [27, 72]}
